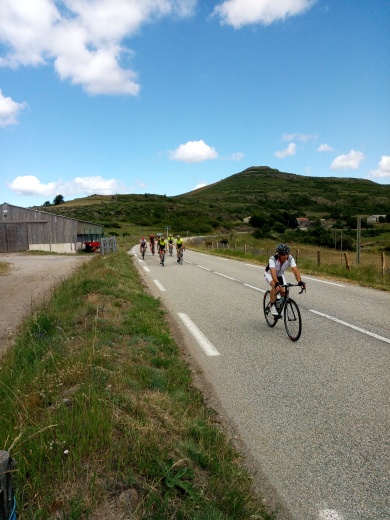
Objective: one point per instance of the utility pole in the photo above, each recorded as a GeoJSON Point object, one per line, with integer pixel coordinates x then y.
{"type": "Point", "coordinates": [167, 228]}
{"type": "Point", "coordinates": [358, 234]}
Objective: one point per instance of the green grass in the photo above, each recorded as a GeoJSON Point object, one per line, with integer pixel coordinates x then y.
{"type": "Point", "coordinates": [96, 400]}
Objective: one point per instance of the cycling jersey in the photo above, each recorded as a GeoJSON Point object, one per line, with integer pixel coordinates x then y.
{"type": "Point", "coordinates": [279, 267]}
{"type": "Point", "coordinates": [179, 242]}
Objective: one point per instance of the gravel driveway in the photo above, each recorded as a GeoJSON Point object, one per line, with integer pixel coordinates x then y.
{"type": "Point", "coordinates": [26, 285]}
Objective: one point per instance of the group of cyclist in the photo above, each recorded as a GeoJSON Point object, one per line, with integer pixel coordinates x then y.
{"type": "Point", "coordinates": [273, 275]}
{"type": "Point", "coordinates": [162, 245]}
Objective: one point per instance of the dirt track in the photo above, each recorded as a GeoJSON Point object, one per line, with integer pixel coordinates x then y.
{"type": "Point", "coordinates": [26, 285]}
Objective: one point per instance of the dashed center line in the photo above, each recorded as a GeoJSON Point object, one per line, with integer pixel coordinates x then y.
{"type": "Point", "coordinates": [201, 267]}
{"type": "Point", "coordinates": [255, 288]}
{"type": "Point", "coordinates": [226, 276]}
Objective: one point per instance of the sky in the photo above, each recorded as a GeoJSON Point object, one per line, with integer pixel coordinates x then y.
{"type": "Point", "coordinates": [165, 96]}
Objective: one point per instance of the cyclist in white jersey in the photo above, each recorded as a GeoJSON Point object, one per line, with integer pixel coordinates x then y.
{"type": "Point", "coordinates": [274, 273]}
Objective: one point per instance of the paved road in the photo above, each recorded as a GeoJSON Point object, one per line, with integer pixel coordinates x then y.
{"type": "Point", "coordinates": [313, 414]}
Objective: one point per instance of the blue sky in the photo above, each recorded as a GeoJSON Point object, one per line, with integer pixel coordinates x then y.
{"type": "Point", "coordinates": [162, 96]}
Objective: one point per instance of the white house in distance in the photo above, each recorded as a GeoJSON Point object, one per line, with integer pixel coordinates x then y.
{"type": "Point", "coordinates": [374, 218]}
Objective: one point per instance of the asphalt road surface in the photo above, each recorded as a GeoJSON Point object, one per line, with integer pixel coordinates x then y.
{"type": "Point", "coordinates": [314, 414]}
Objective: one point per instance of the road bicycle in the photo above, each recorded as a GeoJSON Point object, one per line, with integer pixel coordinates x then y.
{"type": "Point", "coordinates": [162, 257]}
{"type": "Point", "coordinates": [180, 256]}
{"type": "Point", "coordinates": [152, 248]}
{"type": "Point", "coordinates": [170, 249]}
{"type": "Point", "coordinates": [288, 309]}
{"type": "Point", "coordinates": [143, 252]}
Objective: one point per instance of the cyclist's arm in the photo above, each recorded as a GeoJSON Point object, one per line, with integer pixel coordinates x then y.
{"type": "Point", "coordinates": [297, 274]}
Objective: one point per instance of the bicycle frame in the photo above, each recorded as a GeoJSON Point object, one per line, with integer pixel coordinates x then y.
{"type": "Point", "coordinates": [288, 309]}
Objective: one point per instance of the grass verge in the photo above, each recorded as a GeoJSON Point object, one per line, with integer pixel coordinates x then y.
{"type": "Point", "coordinates": [100, 413]}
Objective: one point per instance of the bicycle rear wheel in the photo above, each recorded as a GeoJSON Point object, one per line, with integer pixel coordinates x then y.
{"type": "Point", "coordinates": [181, 258]}
{"type": "Point", "coordinates": [269, 317]}
{"type": "Point", "coordinates": [292, 320]}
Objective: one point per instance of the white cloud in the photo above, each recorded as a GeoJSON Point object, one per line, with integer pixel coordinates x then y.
{"type": "Point", "coordinates": [244, 12]}
{"type": "Point", "coordinates": [193, 152]}
{"type": "Point", "coordinates": [303, 138]}
{"type": "Point", "coordinates": [383, 169]}
{"type": "Point", "coordinates": [31, 185]}
{"type": "Point", "coordinates": [324, 148]}
{"type": "Point", "coordinates": [350, 161]}
{"type": "Point", "coordinates": [9, 110]}
{"type": "Point", "coordinates": [142, 185]}
{"type": "Point", "coordinates": [201, 185]}
{"type": "Point", "coordinates": [82, 38]}
{"type": "Point", "coordinates": [290, 150]}
{"type": "Point", "coordinates": [238, 156]}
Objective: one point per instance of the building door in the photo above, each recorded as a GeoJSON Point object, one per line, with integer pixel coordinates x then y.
{"type": "Point", "coordinates": [13, 237]}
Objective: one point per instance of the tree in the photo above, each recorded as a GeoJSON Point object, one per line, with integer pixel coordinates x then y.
{"type": "Point", "coordinates": [58, 199]}
{"type": "Point", "coordinates": [47, 203]}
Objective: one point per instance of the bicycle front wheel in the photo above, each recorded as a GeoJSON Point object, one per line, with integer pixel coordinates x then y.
{"type": "Point", "coordinates": [269, 317]}
{"type": "Point", "coordinates": [292, 320]}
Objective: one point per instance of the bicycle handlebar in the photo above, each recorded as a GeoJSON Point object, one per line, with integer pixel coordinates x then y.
{"type": "Point", "coordinates": [303, 287]}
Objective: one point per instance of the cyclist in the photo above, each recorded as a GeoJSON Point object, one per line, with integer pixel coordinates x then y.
{"type": "Point", "coordinates": [274, 273]}
{"type": "Point", "coordinates": [162, 246]}
{"type": "Point", "coordinates": [170, 243]}
{"type": "Point", "coordinates": [151, 242]}
{"type": "Point", "coordinates": [142, 245]}
{"type": "Point", "coordinates": [179, 247]}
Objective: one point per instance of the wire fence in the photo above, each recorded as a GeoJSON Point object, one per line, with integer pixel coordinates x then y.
{"type": "Point", "coordinates": [318, 255]}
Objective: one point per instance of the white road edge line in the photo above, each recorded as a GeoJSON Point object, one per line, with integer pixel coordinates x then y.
{"type": "Point", "coordinates": [205, 268]}
{"type": "Point", "coordinates": [146, 269]}
{"type": "Point", "coordinates": [253, 287]}
{"type": "Point", "coordinates": [323, 281]}
{"type": "Point", "coordinates": [351, 326]}
{"type": "Point", "coordinates": [159, 285]}
{"type": "Point", "coordinates": [226, 276]}
{"type": "Point", "coordinates": [204, 343]}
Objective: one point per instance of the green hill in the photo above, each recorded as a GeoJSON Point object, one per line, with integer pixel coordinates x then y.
{"type": "Point", "coordinates": [225, 204]}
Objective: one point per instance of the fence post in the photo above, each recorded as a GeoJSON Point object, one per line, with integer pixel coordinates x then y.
{"type": "Point", "coordinates": [347, 263]}
{"type": "Point", "coordinates": [297, 255]}
{"type": "Point", "coordinates": [319, 257]}
{"type": "Point", "coordinates": [245, 248]}
{"type": "Point", "coordinates": [7, 498]}
{"type": "Point", "coordinates": [383, 264]}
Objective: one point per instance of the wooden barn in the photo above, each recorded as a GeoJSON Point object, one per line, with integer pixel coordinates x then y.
{"type": "Point", "coordinates": [23, 229]}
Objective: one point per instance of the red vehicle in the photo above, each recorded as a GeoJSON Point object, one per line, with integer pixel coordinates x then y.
{"type": "Point", "coordinates": [91, 246]}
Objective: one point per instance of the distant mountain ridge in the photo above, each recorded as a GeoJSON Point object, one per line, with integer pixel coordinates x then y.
{"type": "Point", "coordinates": [255, 190]}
